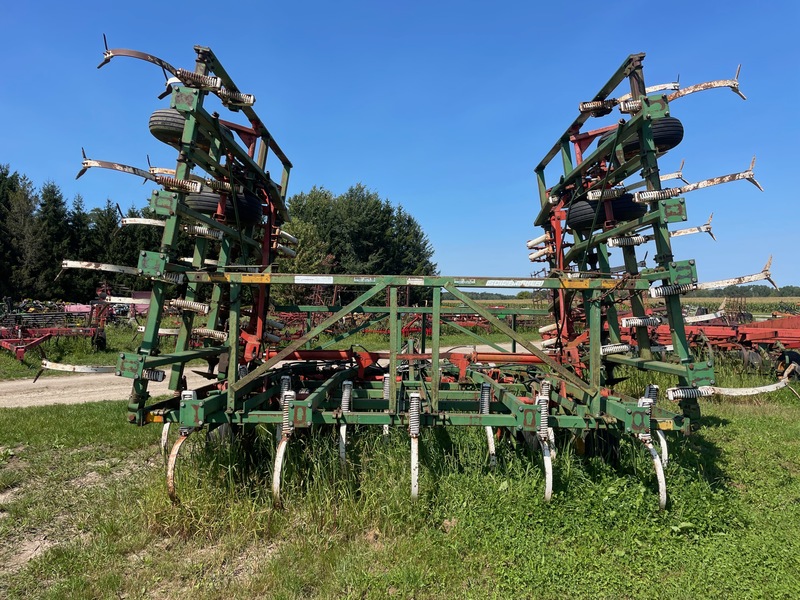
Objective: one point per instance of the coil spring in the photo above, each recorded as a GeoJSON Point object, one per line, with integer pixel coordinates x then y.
{"type": "Point", "coordinates": [220, 336]}
{"type": "Point", "coordinates": [219, 186]}
{"type": "Point", "coordinates": [651, 391]}
{"type": "Point", "coordinates": [486, 396]}
{"type": "Point", "coordinates": [347, 393]}
{"type": "Point", "coordinates": [630, 240]}
{"type": "Point", "coordinates": [286, 398]}
{"type": "Point", "coordinates": [689, 393]}
{"type": "Point", "coordinates": [156, 375]}
{"type": "Point", "coordinates": [176, 278]}
{"type": "Point", "coordinates": [229, 97]}
{"type": "Point", "coordinates": [181, 185]}
{"type": "Point", "coordinates": [198, 307]}
{"type": "Point", "coordinates": [630, 106]}
{"type": "Point", "coordinates": [543, 400]}
{"type": "Point", "coordinates": [641, 321]}
{"type": "Point", "coordinates": [596, 105]}
{"type": "Point", "coordinates": [605, 194]}
{"type": "Point", "coordinates": [413, 415]}
{"type": "Point", "coordinates": [614, 349]}
{"type": "Point", "coordinates": [671, 290]}
{"type": "Point", "coordinates": [386, 382]}
{"type": "Point", "coordinates": [655, 195]}
{"type": "Point", "coordinates": [286, 383]}
{"type": "Point", "coordinates": [206, 232]}
{"type": "Point", "coordinates": [193, 79]}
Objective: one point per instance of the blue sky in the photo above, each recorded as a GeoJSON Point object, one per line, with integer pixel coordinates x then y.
{"type": "Point", "coordinates": [443, 107]}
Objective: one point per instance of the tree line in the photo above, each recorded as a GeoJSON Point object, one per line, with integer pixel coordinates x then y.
{"type": "Point", "coordinates": [355, 232]}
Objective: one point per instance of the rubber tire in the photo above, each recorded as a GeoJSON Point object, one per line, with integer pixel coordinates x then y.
{"type": "Point", "coordinates": [206, 202]}
{"type": "Point", "coordinates": [166, 125]}
{"type": "Point", "coordinates": [667, 133]}
{"type": "Point", "coordinates": [580, 215]}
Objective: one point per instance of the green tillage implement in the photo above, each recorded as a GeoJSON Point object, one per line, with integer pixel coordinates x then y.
{"type": "Point", "coordinates": [255, 377]}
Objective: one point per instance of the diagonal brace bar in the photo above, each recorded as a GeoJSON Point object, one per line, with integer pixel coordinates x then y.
{"type": "Point", "coordinates": [296, 344]}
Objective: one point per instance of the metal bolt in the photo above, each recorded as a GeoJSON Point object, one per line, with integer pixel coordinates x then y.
{"type": "Point", "coordinates": [143, 253]}
{"type": "Point", "coordinates": [691, 261]}
{"type": "Point", "coordinates": [119, 373]}
{"type": "Point", "coordinates": [629, 411]}
{"type": "Point", "coordinates": [291, 404]}
{"type": "Point", "coordinates": [520, 409]}
{"type": "Point", "coordinates": [183, 404]}
{"type": "Point", "coordinates": [308, 423]}
{"type": "Point", "coordinates": [200, 422]}
{"type": "Point", "coordinates": [122, 355]}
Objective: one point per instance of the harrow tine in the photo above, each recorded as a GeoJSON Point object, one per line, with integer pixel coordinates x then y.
{"type": "Point", "coordinates": [485, 398]}
{"type": "Point", "coordinates": [662, 443]}
{"type": "Point", "coordinates": [171, 462]}
{"type": "Point", "coordinates": [659, 467]}
{"type": "Point", "coordinates": [492, 449]}
{"type": "Point", "coordinates": [287, 397]}
{"type": "Point", "coordinates": [347, 392]}
{"type": "Point", "coordinates": [413, 430]}
{"type": "Point", "coordinates": [280, 453]}
{"type": "Point", "coordinates": [547, 460]}
{"type": "Point", "coordinates": [733, 84]}
{"type": "Point", "coordinates": [164, 439]}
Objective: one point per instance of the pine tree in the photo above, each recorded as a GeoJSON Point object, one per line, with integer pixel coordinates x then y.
{"type": "Point", "coordinates": [24, 240]}
{"type": "Point", "coordinates": [9, 183]}
{"type": "Point", "coordinates": [54, 232]}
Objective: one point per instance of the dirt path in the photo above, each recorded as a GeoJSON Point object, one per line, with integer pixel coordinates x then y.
{"type": "Point", "coordinates": [76, 389]}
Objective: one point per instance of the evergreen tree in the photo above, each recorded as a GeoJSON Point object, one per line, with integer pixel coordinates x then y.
{"type": "Point", "coordinates": [24, 240]}
{"type": "Point", "coordinates": [357, 233]}
{"type": "Point", "coordinates": [9, 183]}
{"type": "Point", "coordinates": [54, 232]}
{"type": "Point", "coordinates": [81, 284]}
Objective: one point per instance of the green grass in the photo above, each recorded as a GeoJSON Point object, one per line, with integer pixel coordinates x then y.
{"type": "Point", "coordinates": [70, 350]}
{"type": "Point", "coordinates": [87, 490]}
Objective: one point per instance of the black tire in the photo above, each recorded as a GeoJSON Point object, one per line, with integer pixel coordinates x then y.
{"type": "Point", "coordinates": [248, 205]}
{"type": "Point", "coordinates": [580, 215]}
{"type": "Point", "coordinates": [667, 133]}
{"type": "Point", "coordinates": [166, 125]}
